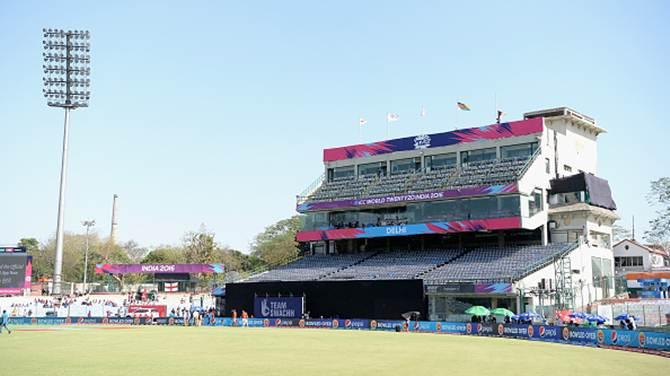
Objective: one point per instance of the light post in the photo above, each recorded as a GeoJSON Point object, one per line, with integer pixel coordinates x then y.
{"type": "Point", "coordinates": [66, 81]}
{"type": "Point", "coordinates": [88, 225]}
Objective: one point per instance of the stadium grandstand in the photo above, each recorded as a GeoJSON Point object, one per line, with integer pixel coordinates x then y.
{"type": "Point", "coordinates": [507, 215]}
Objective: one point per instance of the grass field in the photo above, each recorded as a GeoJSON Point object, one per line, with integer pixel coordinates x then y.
{"type": "Point", "coordinates": [296, 352]}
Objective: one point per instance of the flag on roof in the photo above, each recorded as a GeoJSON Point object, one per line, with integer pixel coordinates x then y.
{"type": "Point", "coordinates": [362, 121]}
{"type": "Point", "coordinates": [391, 117]}
{"type": "Point", "coordinates": [463, 106]}
{"type": "Point", "coordinates": [500, 115]}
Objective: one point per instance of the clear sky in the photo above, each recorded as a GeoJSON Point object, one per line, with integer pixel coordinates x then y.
{"type": "Point", "coordinates": [216, 113]}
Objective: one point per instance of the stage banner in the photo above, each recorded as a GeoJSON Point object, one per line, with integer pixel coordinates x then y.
{"type": "Point", "coordinates": [158, 268]}
{"type": "Point", "coordinates": [278, 307]}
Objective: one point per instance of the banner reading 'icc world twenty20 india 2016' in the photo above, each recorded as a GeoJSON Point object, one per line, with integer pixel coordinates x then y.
{"type": "Point", "coordinates": [278, 307]}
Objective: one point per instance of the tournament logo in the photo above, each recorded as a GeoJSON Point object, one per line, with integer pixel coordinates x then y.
{"type": "Point", "coordinates": [642, 338]}
{"type": "Point", "coordinates": [105, 320]}
{"type": "Point", "coordinates": [277, 322]}
{"type": "Point", "coordinates": [68, 320]}
{"type": "Point", "coordinates": [565, 333]}
{"type": "Point", "coordinates": [422, 141]}
{"type": "Point", "coordinates": [501, 329]}
{"type": "Point", "coordinates": [266, 323]}
{"type": "Point", "coordinates": [373, 324]}
{"type": "Point", "coordinates": [479, 328]}
{"type": "Point", "coordinates": [171, 321]}
{"type": "Point", "coordinates": [136, 321]}
{"type": "Point", "coordinates": [530, 331]}
{"type": "Point", "coordinates": [614, 336]}
{"type": "Point", "coordinates": [438, 326]}
{"type": "Point", "coordinates": [542, 331]}
{"type": "Point", "coordinates": [301, 323]}
{"type": "Point", "coordinates": [347, 323]}
{"type": "Point", "coordinates": [335, 324]}
{"type": "Point", "coordinates": [468, 328]}
{"type": "Point", "coordinates": [600, 336]}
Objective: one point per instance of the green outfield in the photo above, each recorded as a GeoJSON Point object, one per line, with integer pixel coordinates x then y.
{"type": "Point", "coordinates": [266, 351]}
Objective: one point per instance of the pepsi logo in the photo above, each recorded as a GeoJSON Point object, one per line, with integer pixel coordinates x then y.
{"type": "Point", "coordinates": [600, 336]}
{"type": "Point", "coordinates": [438, 327]}
{"type": "Point", "coordinates": [347, 323]}
{"type": "Point", "coordinates": [81, 320]}
{"type": "Point", "coordinates": [277, 322]}
{"type": "Point", "coordinates": [468, 328]}
{"type": "Point", "coordinates": [105, 320]}
{"type": "Point", "coordinates": [565, 333]}
{"type": "Point", "coordinates": [301, 323]}
{"type": "Point", "coordinates": [613, 336]}
{"type": "Point", "coordinates": [479, 328]}
{"type": "Point", "coordinates": [542, 331]}
{"type": "Point", "coordinates": [642, 338]}
{"type": "Point", "coordinates": [373, 324]}
{"type": "Point", "coordinates": [530, 331]}
{"type": "Point", "coordinates": [501, 329]}
{"type": "Point", "coordinates": [136, 321]}
{"type": "Point", "coordinates": [68, 320]}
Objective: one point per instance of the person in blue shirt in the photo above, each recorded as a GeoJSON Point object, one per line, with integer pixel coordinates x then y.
{"type": "Point", "coordinates": [5, 321]}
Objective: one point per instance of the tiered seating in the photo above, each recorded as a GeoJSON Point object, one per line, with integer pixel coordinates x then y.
{"type": "Point", "coordinates": [488, 172]}
{"type": "Point", "coordinates": [310, 268]}
{"type": "Point", "coordinates": [387, 185]}
{"type": "Point", "coordinates": [471, 174]}
{"type": "Point", "coordinates": [344, 188]}
{"type": "Point", "coordinates": [499, 263]}
{"type": "Point", "coordinates": [396, 265]}
{"type": "Point", "coordinates": [433, 180]}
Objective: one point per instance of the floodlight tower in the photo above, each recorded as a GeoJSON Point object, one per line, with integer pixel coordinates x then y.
{"type": "Point", "coordinates": [66, 82]}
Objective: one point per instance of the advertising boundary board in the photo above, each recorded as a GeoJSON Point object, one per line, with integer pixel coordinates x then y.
{"type": "Point", "coordinates": [547, 333]}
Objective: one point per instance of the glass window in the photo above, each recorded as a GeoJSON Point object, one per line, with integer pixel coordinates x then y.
{"type": "Point", "coordinates": [404, 166]}
{"type": "Point", "coordinates": [436, 162]}
{"type": "Point", "coordinates": [377, 168]}
{"type": "Point", "coordinates": [509, 206]}
{"type": "Point", "coordinates": [481, 208]}
{"type": "Point", "coordinates": [343, 172]}
{"type": "Point", "coordinates": [567, 168]}
{"type": "Point", "coordinates": [535, 203]}
{"type": "Point", "coordinates": [518, 151]}
{"type": "Point", "coordinates": [480, 155]}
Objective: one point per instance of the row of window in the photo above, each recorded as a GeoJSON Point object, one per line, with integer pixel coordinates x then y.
{"type": "Point", "coordinates": [433, 162]}
{"type": "Point", "coordinates": [450, 210]}
{"type": "Point", "coordinates": [628, 261]}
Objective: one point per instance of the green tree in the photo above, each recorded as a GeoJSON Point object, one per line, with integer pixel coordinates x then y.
{"type": "Point", "coordinates": [277, 244]}
{"type": "Point", "coordinates": [165, 255]}
{"type": "Point", "coordinates": [200, 247]}
{"type": "Point", "coordinates": [43, 264]}
{"type": "Point", "coordinates": [659, 227]}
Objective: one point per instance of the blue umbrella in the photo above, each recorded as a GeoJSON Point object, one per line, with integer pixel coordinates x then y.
{"type": "Point", "coordinates": [624, 317]}
{"type": "Point", "coordinates": [596, 318]}
{"type": "Point", "coordinates": [526, 316]}
{"type": "Point", "coordinates": [578, 315]}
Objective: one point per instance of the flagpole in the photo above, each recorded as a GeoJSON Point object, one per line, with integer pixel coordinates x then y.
{"type": "Point", "coordinates": [388, 128]}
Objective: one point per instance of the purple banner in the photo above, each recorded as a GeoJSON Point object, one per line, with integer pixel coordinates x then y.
{"type": "Point", "coordinates": [426, 196]}
{"type": "Point", "coordinates": [158, 268]}
{"type": "Point", "coordinates": [489, 132]}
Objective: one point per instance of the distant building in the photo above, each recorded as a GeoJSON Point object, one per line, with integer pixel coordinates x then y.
{"type": "Point", "coordinates": [645, 268]}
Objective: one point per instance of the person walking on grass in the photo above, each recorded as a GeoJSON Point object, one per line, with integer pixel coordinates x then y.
{"type": "Point", "coordinates": [4, 320]}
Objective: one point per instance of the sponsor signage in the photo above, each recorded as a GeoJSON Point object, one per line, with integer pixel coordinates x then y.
{"type": "Point", "coordinates": [278, 307]}
{"type": "Point", "coordinates": [471, 288]}
{"type": "Point", "coordinates": [411, 197]}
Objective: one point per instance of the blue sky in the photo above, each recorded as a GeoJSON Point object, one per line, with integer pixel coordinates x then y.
{"type": "Point", "coordinates": [216, 113]}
